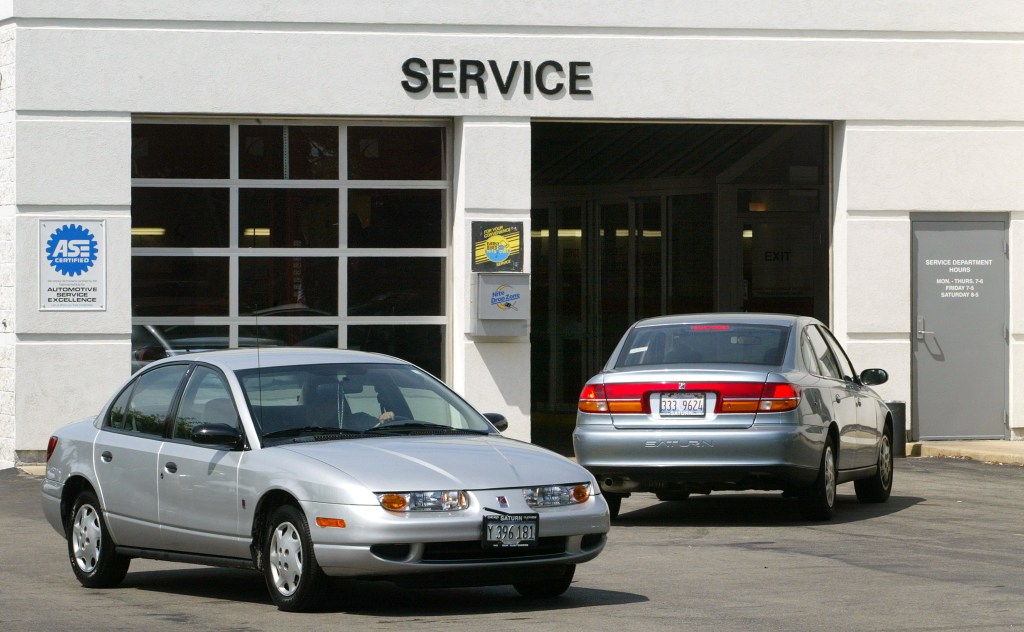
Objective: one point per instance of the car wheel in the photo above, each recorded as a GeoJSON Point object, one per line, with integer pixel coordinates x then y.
{"type": "Point", "coordinates": [876, 489]}
{"type": "Point", "coordinates": [294, 579]}
{"type": "Point", "coordinates": [614, 504]}
{"type": "Point", "coordinates": [672, 496]}
{"type": "Point", "coordinates": [553, 586]}
{"type": "Point", "coordinates": [819, 501]}
{"type": "Point", "coordinates": [91, 551]}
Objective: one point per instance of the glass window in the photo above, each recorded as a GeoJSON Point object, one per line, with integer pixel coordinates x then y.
{"type": "Point", "coordinates": [118, 416]}
{"type": "Point", "coordinates": [180, 286]}
{"type": "Point", "coordinates": [151, 400]}
{"type": "Point", "coordinates": [165, 217]}
{"type": "Point", "coordinates": [351, 397]}
{"type": "Point", "coordinates": [395, 286]}
{"type": "Point", "coordinates": [826, 359]}
{"type": "Point", "coordinates": [705, 343]}
{"type": "Point", "coordinates": [380, 218]}
{"type": "Point", "coordinates": [807, 351]}
{"type": "Point", "coordinates": [206, 400]}
{"type": "Point", "coordinates": [180, 151]}
{"type": "Point", "coordinates": [276, 253]}
{"type": "Point", "coordinates": [396, 153]}
{"type": "Point", "coordinates": [288, 286]}
{"type": "Point", "coordinates": [422, 345]}
{"type": "Point", "coordinates": [288, 152]}
{"type": "Point", "coordinates": [843, 362]}
{"type": "Point", "coordinates": [288, 218]}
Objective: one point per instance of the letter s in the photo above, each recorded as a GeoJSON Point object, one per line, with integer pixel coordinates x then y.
{"type": "Point", "coordinates": [414, 68]}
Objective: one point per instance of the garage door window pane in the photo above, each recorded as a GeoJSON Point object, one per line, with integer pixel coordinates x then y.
{"type": "Point", "coordinates": [420, 344]}
{"type": "Point", "coordinates": [395, 219]}
{"type": "Point", "coordinates": [180, 286]}
{"type": "Point", "coordinates": [288, 218]}
{"type": "Point", "coordinates": [288, 286]}
{"type": "Point", "coordinates": [323, 336]}
{"type": "Point", "coordinates": [396, 153]}
{"type": "Point", "coordinates": [395, 286]}
{"type": "Point", "coordinates": [180, 151]}
{"type": "Point", "coordinates": [179, 218]}
{"type": "Point", "coordinates": [288, 152]}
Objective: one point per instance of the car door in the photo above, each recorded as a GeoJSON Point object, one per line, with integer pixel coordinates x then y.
{"type": "Point", "coordinates": [198, 485]}
{"type": "Point", "coordinates": [838, 396]}
{"type": "Point", "coordinates": [126, 453]}
{"type": "Point", "coordinates": [868, 432]}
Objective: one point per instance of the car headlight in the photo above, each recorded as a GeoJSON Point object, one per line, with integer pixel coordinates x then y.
{"type": "Point", "coordinates": [557, 495]}
{"type": "Point", "coordinates": [447, 500]}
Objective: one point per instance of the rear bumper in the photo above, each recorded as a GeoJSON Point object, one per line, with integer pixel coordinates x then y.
{"type": "Point", "coordinates": [775, 456]}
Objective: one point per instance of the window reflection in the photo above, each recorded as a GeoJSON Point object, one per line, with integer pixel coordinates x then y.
{"type": "Point", "coordinates": [180, 151]}
{"type": "Point", "coordinates": [288, 218]}
{"type": "Point", "coordinates": [380, 218]}
{"type": "Point", "coordinates": [395, 286]}
{"type": "Point", "coordinates": [288, 152]}
{"type": "Point", "coordinates": [176, 217]}
{"type": "Point", "coordinates": [420, 344]}
{"type": "Point", "coordinates": [288, 286]}
{"type": "Point", "coordinates": [396, 153]}
{"type": "Point", "coordinates": [180, 286]}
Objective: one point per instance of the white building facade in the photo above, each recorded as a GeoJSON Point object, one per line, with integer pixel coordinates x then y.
{"type": "Point", "coordinates": [139, 122]}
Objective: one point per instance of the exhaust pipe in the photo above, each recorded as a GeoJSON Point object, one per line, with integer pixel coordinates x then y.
{"type": "Point", "coordinates": [619, 485]}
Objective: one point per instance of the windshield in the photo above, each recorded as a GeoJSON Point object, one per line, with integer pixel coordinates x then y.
{"type": "Point", "coordinates": [705, 343]}
{"type": "Point", "coordinates": [339, 400]}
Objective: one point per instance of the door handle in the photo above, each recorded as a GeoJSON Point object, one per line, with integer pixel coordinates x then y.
{"type": "Point", "coordinates": [838, 399]}
{"type": "Point", "coordinates": [171, 467]}
{"type": "Point", "coordinates": [921, 330]}
{"type": "Point", "coordinates": [107, 456]}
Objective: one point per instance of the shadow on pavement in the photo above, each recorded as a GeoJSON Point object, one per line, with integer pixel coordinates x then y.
{"type": "Point", "coordinates": [732, 509]}
{"type": "Point", "coordinates": [374, 598]}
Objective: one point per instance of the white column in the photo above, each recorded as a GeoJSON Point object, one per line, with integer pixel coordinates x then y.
{"type": "Point", "coordinates": [492, 183]}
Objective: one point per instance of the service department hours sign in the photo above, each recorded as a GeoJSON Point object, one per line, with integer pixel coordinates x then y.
{"type": "Point", "coordinates": [72, 265]}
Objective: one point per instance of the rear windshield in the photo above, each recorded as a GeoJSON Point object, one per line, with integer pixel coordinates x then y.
{"type": "Point", "coordinates": [711, 343]}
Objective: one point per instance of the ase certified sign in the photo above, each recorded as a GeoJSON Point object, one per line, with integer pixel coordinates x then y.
{"type": "Point", "coordinates": [72, 265]}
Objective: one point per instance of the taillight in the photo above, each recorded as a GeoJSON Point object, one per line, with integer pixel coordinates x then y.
{"type": "Point", "coordinates": [50, 447]}
{"type": "Point", "coordinates": [732, 397]}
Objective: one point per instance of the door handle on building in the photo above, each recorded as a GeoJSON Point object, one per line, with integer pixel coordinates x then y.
{"type": "Point", "coordinates": [921, 330]}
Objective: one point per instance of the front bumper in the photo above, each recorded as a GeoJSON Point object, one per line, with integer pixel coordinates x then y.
{"type": "Point", "coordinates": [378, 543]}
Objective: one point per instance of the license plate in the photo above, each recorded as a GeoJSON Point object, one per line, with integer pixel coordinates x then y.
{"type": "Point", "coordinates": [510, 531]}
{"type": "Point", "coordinates": [682, 404]}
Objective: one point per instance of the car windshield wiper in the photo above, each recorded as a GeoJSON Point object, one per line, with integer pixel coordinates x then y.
{"type": "Point", "coordinates": [404, 426]}
{"type": "Point", "coordinates": [295, 432]}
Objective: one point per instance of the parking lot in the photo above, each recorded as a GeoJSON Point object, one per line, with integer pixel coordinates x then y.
{"type": "Point", "coordinates": [945, 553]}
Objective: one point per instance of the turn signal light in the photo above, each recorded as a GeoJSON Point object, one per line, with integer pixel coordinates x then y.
{"type": "Point", "coordinates": [330, 522]}
{"type": "Point", "coordinates": [732, 397]}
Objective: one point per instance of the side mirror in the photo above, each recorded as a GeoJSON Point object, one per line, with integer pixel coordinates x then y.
{"type": "Point", "coordinates": [871, 377]}
{"type": "Point", "coordinates": [498, 421]}
{"type": "Point", "coordinates": [217, 434]}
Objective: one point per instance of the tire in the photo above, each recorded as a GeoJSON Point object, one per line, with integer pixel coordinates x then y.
{"type": "Point", "coordinates": [819, 501]}
{"type": "Point", "coordinates": [548, 588]}
{"type": "Point", "coordinates": [94, 559]}
{"type": "Point", "coordinates": [614, 504]}
{"type": "Point", "coordinates": [672, 496]}
{"type": "Point", "coordinates": [876, 489]}
{"type": "Point", "coordinates": [293, 577]}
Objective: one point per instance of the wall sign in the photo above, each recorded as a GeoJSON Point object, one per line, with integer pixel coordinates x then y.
{"type": "Point", "coordinates": [497, 246]}
{"type": "Point", "coordinates": [959, 279]}
{"type": "Point", "coordinates": [448, 76]}
{"type": "Point", "coordinates": [72, 265]}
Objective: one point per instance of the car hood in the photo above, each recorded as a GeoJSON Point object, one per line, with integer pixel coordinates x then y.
{"type": "Point", "coordinates": [428, 463]}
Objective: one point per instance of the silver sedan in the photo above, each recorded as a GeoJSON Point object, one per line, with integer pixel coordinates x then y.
{"type": "Point", "coordinates": [305, 463]}
{"type": "Point", "coordinates": [703, 402]}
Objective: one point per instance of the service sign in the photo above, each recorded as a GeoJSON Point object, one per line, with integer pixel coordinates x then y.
{"type": "Point", "coordinates": [72, 265]}
{"type": "Point", "coordinates": [497, 246]}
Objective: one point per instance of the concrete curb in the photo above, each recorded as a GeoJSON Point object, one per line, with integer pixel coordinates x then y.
{"type": "Point", "coordinates": [1003, 452]}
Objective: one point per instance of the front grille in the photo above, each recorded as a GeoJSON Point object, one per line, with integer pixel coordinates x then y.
{"type": "Point", "coordinates": [473, 551]}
